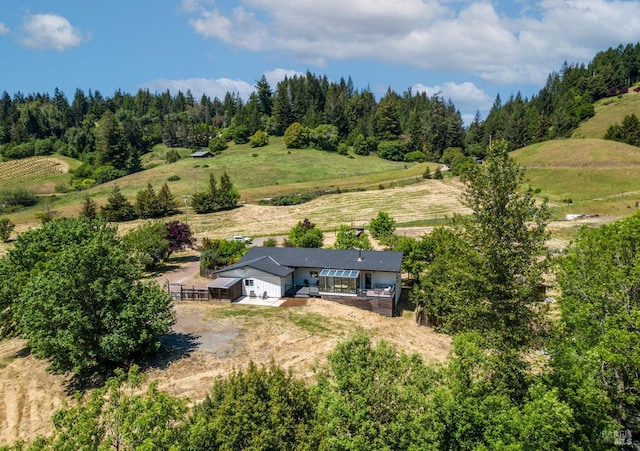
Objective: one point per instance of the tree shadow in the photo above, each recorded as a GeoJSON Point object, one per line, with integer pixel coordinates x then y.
{"type": "Point", "coordinates": [173, 346]}
{"type": "Point", "coordinates": [405, 306]}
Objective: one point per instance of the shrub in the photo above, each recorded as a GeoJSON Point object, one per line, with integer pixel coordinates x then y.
{"type": "Point", "coordinates": [392, 150]}
{"type": "Point", "coordinates": [270, 242]}
{"type": "Point", "coordinates": [365, 146]}
{"type": "Point", "coordinates": [6, 227]}
{"type": "Point", "coordinates": [17, 197]}
{"type": "Point", "coordinates": [343, 149]}
{"type": "Point", "coordinates": [296, 136]}
{"type": "Point", "coordinates": [61, 187]}
{"type": "Point", "coordinates": [217, 144]}
{"type": "Point", "coordinates": [23, 150]}
{"type": "Point", "coordinates": [107, 173]}
{"type": "Point", "coordinates": [415, 156]}
{"type": "Point", "coordinates": [241, 135]}
{"type": "Point", "coordinates": [292, 199]}
{"type": "Point", "coordinates": [171, 156]}
{"type": "Point", "coordinates": [325, 137]}
{"type": "Point", "coordinates": [173, 178]}
{"type": "Point", "coordinates": [259, 139]}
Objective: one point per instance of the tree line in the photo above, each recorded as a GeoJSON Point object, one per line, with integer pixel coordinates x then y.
{"type": "Point", "coordinates": [113, 132]}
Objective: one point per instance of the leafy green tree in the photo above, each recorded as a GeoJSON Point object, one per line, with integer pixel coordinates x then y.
{"type": "Point", "coordinates": [259, 139]}
{"type": "Point", "coordinates": [217, 144]}
{"type": "Point", "coordinates": [476, 404]}
{"type": "Point", "coordinates": [118, 416]}
{"type": "Point", "coordinates": [365, 146]}
{"type": "Point", "coordinates": [259, 408]}
{"type": "Point", "coordinates": [148, 244]}
{"type": "Point", "coordinates": [372, 397]}
{"type": "Point", "coordinates": [325, 137]}
{"type": "Point", "coordinates": [348, 238]}
{"type": "Point", "coordinates": [488, 277]}
{"type": "Point", "coordinates": [89, 208]}
{"type": "Point", "coordinates": [600, 319]}
{"type": "Point", "coordinates": [6, 227]}
{"type": "Point", "coordinates": [296, 136]}
{"type": "Point", "coordinates": [457, 161]}
{"type": "Point", "coordinates": [392, 150]}
{"type": "Point", "coordinates": [118, 207]}
{"type": "Point", "coordinates": [75, 295]}
{"type": "Point", "coordinates": [382, 226]}
{"type": "Point", "coordinates": [220, 253]}
{"type": "Point", "coordinates": [167, 202]}
{"type": "Point", "coordinates": [416, 253]}
{"type": "Point", "coordinates": [305, 234]}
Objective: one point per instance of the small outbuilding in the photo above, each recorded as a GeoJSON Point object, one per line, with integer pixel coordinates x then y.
{"type": "Point", "coordinates": [201, 154]}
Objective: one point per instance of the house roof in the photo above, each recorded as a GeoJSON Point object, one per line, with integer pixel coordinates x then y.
{"type": "Point", "coordinates": [201, 153]}
{"type": "Point", "coordinates": [223, 282]}
{"type": "Point", "coordinates": [295, 257]}
{"type": "Point", "coordinates": [263, 263]}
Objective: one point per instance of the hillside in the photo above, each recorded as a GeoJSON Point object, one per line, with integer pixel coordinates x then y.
{"type": "Point", "coordinates": [587, 176]}
{"type": "Point", "coordinates": [609, 111]}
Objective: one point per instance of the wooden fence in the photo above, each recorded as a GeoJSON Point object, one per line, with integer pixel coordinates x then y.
{"type": "Point", "coordinates": [179, 292]}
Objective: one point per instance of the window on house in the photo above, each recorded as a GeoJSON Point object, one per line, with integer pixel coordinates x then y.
{"type": "Point", "coordinates": [248, 282]}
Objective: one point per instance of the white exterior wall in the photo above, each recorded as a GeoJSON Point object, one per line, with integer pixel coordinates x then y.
{"type": "Point", "coordinates": [383, 278]}
{"type": "Point", "coordinates": [302, 274]}
{"type": "Point", "coordinates": [262, 281]}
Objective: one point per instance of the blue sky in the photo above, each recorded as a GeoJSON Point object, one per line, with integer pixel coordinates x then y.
{"type": "Point", "coordinates": [468, 51]}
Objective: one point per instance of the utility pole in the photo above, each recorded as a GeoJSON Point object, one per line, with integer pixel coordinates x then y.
{"type": "Point", "coordinates": [186, 206]}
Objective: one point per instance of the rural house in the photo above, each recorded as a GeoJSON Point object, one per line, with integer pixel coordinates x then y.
{"type": "Point", "coordinates": [369, 280]}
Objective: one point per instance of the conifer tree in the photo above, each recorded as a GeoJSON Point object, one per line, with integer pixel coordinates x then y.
{"type": "Point", "coordinates": [118, 208]}
{"type": "Point", "coordinates": [167, 202]}
{"type": "Point", "coordinates": [89, 208]}
{"type": "Point", "coordinates": [147, 205]}
{"type": "Point", "coordinates": [228, 196]}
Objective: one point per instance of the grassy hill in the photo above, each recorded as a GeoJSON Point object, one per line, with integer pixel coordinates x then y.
{"type": "Point", "coordinates": [257, 173]}
{"type": "Point", "coordinates": [588, 176]}
{"type": "Point", "coordinates": [609, 111]}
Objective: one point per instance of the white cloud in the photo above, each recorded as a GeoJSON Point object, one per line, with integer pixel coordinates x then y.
{"type": "Point", "coordinates": [465, 96]}
{"type": "Point", "coordinates": [198, 86]}
{"type": "Point", "coordinates": [275, 76]}
{"type": "Point", "coordinates": [4, 29]}
{"type": "Point", "coordinates": [50, 31]}
{"type": "Point", "coordinates": [216, 87]}
{"type": "Point", "coordinates": [438, 35]}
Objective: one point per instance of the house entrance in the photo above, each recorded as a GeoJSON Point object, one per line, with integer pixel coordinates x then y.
{"type": "Point", "coordinates": [367, 281]}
